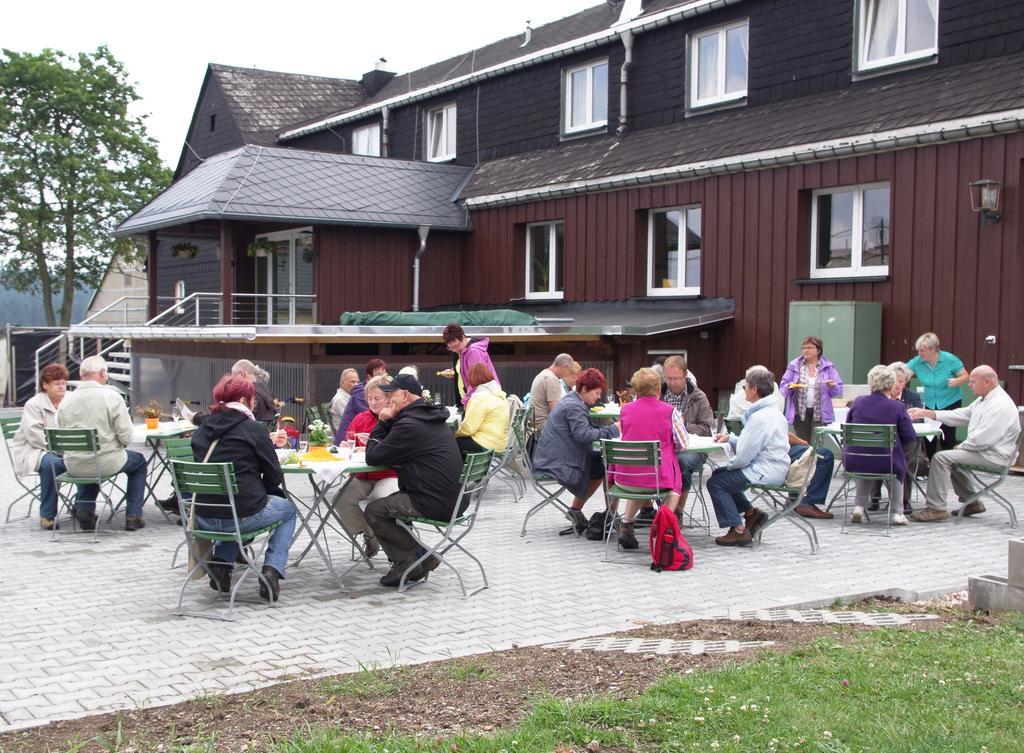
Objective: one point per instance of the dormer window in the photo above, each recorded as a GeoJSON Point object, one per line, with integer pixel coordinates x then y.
{"type": "Point", "coordinates": [366, 140]}
{"type": "Point", "coordinates": [585, 106]}
{"type": "Point", "coordinates": [718, 65]}
{"type": "Point", "coordinates": [441, 133]}
{"type": "Point", "coordinates": [891, 32]}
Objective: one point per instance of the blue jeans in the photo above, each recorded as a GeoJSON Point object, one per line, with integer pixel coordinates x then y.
{"type": "Point", "coordinates": [135, 469]}
{"type": "Point", "coordinates": [817, 491]}
{"type": "Point", "coordinates": [49, 466]}
{"type": "Point", "coordinates": [726, 487]}
{"type": "Point", "coordinates": [277, 508]}
{"type": "Point", "coordinates": [688, 463]}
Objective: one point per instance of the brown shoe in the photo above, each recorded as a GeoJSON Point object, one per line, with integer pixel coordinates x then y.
{"type": "Point", "coordinates": [735, 539]}
{"type": "Point", "coordinates": [971, 508]}
{"type": "Point", "coordinates": [134, 523]}
{"type": "Point", "coordinates": [929, 515]}
{"type": "Point", "coordinates": [754, 519]}
{"type": "Point", "coordinates": [812, 511]}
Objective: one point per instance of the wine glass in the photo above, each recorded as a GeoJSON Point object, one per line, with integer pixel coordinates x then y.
{"type": "Point", "coordinates": [303, 443]}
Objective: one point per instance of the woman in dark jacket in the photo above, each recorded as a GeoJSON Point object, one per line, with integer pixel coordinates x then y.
{"type": "Point", "coordinates": [565, 449]}
{"type": "Point", "coordinates": [880, 408]}
{"type": "Point", "coordinates": [259, 501]}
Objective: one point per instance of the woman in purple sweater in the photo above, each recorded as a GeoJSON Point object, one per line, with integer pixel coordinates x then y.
{"type": "Point", "coordinates": [808, 386]}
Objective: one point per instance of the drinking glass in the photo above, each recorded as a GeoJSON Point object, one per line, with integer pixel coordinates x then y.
{"type": "Point", "coordinates": [303, 443]}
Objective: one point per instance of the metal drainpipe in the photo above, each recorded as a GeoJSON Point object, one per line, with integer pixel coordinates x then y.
{"type": "Point", "coordinates": [385, 117]}
{"type": "Point", "coordinates": [423, 231]}
{"type": "Point", "coordinates": [627, 63]}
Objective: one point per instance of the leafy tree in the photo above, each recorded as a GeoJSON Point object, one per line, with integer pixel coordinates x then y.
{"type": "Point", "coordinates": [73, 163]}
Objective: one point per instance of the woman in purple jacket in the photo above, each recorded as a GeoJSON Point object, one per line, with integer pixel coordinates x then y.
{"type": "Point", "coordinates": [808, 386]}
{"type": "Point", "coordinates": [468, 352]}
{"type": "Point", "coordinates": [880, 408]}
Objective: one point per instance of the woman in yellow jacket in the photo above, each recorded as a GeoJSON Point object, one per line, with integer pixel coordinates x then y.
{"type": "Point", "coordinates": [485, 426]}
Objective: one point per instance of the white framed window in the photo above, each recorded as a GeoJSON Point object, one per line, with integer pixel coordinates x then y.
{"type": "Point", "coordinates": [585, 104]}
{"type": "Point", "coordinates": [673, 251]}
{"type": "Point", "coordinates": [366, 140]}
{"type": "Point", "coordinates": [545, 254]}
{"type": "Point", "coordinates": [179, 295]}
{"type": "Point", "coordinates": [440, 132]}
{"type": "Point", "coordinates": [891, 32]}
{"type": "Point", "coordinates": [718, 64]}
{"type": "Point", "coordinates": [850, 231]}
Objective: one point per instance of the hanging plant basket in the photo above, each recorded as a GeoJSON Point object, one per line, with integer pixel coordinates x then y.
{"type": "Point", "coordinates": [259, 249]}
{"type": "Point", "coordinates": [185, 249]}
{"type": "Point", "coordinates": [308, 255]}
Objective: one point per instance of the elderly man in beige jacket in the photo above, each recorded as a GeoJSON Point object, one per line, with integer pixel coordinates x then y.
{"type": "Point", "coordinates": [992, 428]}
{"type": "Point", "coordinates": [95, 406]}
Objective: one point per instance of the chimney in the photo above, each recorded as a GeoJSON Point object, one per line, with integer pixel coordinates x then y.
{"type": "Point", "coordinates": [375, 80]}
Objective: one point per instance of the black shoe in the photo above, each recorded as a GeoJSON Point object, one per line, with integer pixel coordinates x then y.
{"type": "Point", "coordinates": [220, 575]}
{"type": "Point", "coordinates": [86, 520]}
{"type": "Point", "coordinates": [169, 505]}
{"type": "Point", "coordinates": [134, 523]}
{"type": "Point", "coordinates": [269, 586]}
{"type": "Point", "coordinates": [646, 515]}
{"type": "Point", "coordinates": [627, 540]}
{"type": "Point", "coordinates": [394, 575]}
{"type": "Point", "coordinates": [430, 564]}
{"type": "Point", "coordinates": [579, 520]}
{"type": "Point", "coordinates": [873, 505]}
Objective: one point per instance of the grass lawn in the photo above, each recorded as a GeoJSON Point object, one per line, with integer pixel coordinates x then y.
{"type": "Point", "coordinates": [957, 688]}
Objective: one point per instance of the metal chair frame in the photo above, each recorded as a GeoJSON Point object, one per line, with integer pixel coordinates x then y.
{"type": "Point", "coordinates": [780, 496]}
{"type": "Point", "coordinates": [476, 474]}
{"type": "Point", "coordinates": [9, 427]}
{"type": "Point", "coordinates": [997, 476]}
{"type": "Point", "coordinates": [504, 462]}
{"type": "Point", "coordinates": [87, 441]}
{"type": "Point", "coordinates": [177, 448]}
{"type": "Point", "coordinates": [215, 479]}
{"type": "Point", "coordinates": [548, 487]}
{"type": "Point", "coordinates": [628, 455]}
{"type": "Point", "coordinates": [859, 437]}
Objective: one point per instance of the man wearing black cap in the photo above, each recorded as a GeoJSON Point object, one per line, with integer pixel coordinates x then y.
{"type": "Point", "coordinates": [412, 436]}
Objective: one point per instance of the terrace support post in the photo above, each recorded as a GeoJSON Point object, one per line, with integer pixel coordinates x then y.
{"type": "Point", "coordinates": [227, 269]}
{"type": "Point", "coordinates": [152, 245]}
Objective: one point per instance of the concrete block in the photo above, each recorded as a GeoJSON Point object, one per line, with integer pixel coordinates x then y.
{"type": "Point", "coordinates": [995, 594]}
{"type": "Point", "coordinates": [1015, 567]}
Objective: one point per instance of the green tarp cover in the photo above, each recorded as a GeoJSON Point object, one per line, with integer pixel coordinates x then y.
{"type": "Point", "coordinates": [491, 318]}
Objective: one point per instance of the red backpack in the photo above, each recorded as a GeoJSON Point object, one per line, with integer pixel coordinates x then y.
{"type": "Point", "coordinates": [669, 550]}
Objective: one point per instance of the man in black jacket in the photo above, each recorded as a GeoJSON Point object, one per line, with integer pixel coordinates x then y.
{"type": "Point", "coordinates": [412, 436]}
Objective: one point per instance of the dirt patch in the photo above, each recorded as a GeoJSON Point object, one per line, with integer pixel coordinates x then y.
{"type": "Point", "coordinates": [483, 692]}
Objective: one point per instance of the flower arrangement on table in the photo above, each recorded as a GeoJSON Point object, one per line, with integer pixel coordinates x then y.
{"type": "Point", "coordinates": [151, 413]}
{"type": "Point", "coordinates": [319, 435]}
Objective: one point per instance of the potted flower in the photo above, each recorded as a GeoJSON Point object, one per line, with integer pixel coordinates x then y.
{"type": "Point", "coordinates": [185, 249]}
{"type": "Point", "coordinates": [259, 248]}
{"type": "Point", "coordinates": [151, 413]}
{"type": "Point", "coordinates": [319, 435]}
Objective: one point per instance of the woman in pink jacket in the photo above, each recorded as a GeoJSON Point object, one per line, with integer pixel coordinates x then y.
{"type": "Point", "coordinates": [469, 352]}
{"type": "Point", "coordinates": [648, 418]}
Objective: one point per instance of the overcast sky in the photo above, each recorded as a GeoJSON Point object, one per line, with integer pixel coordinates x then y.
{"type": "Point", "coordinates": [166, 46]}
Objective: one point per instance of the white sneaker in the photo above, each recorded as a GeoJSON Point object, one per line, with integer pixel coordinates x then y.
{"type": "Point", "coordinates": [899, 519]}
{"type": "Point", "coordinates": [858, 515]}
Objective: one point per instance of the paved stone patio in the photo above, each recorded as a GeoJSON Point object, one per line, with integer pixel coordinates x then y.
{"type": "Point", "coordinates": [88, 627]}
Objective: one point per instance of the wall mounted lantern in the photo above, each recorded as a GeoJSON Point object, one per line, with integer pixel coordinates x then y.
{"type": "Point", "coordinates": [985, 199]}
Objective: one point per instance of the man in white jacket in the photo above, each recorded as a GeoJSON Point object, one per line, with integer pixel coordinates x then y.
{"type": "Point", "coordinates": [992, 427]}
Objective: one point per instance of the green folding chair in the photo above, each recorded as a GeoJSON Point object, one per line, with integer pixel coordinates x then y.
{"type": "Point", "coordinates": [9, 427]}
{"type": "Point", "coordinates": [986, 480]}
{"type": "Point", "coordinates": [785, 499]}
{"type": "Point", "coordinates": [505, 466]}
{"type": "Point", "coordinates": [217, 479]}
{"type": "Point", "coordinates": [870, 441]}
{"type": "Point", "coordinates": [84, 441]}
{"type": "Point", "coordinates": [734, 426]}
{"type": "Point", "coordinates": [473, 482]}
{"type": "Point", "coordinates": [628, 460]}
{"type": "Point", "coordinates": [327, 416]}
{"type": "Point", "coordinates": [178, 448]}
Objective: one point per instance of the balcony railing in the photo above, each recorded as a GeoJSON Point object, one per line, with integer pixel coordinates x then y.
{"type": "Point", "coordinates": [207, 309]}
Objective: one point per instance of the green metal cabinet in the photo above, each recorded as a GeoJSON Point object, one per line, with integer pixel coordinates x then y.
{"type": "Point", "coordinates": [850, 330]}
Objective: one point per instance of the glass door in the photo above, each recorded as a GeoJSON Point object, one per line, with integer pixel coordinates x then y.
{"type": "Point", "coordinates": [284, 278]}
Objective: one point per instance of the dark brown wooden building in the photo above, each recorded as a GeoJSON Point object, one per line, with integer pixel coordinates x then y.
{"type": "Point", "coordinates": [643, 178]}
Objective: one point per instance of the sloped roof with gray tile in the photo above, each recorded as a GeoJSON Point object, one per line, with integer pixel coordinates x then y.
{"type": "Point", "coordinates": [911, 99]}
{"type": "Point", "coordinates": [290, 185]}
{"type": "Point", "coordinates": [264, 102]}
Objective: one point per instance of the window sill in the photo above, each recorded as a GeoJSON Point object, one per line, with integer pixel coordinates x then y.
{"type": "Point", "coordinates": [671, 296]}
{"type": "Point", "coordinates": [582, 133]}
{"type": "Point", "coordinates": [840, 280]}
{"type": "Point", "coordinates": [693, 110]}
{"type": "Point", "coordinates": [546, 298]}
{"type": "Point", "coordinates": [437, 160]}
{"type": "Point", "coordinates": [897, 66]}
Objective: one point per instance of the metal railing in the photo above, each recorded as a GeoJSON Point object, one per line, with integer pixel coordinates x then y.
{"type": "Point", "coordinates": [206, 309]}
{"type": "Point", "coordinates": [129, 309]}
